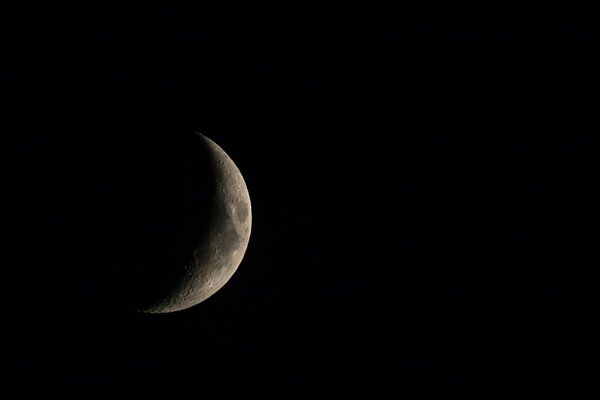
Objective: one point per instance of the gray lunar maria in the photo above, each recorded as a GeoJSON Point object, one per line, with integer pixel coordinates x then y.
{"type": "Point", "coordinates": [222, 248]}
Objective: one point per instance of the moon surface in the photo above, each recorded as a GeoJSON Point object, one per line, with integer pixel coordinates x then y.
{"type": "Point", "coordinates": [221, 237]}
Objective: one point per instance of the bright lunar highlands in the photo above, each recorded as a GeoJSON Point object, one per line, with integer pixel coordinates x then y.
{"type": "Point", "coordinates": [222, 241]}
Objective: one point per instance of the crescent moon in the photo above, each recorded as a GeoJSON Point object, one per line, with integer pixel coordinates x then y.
{"type": "Point", "coordinates": [223, 240]}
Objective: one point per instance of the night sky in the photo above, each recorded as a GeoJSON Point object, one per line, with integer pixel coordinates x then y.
{"type": "Point", "coordinates": [425, 202]}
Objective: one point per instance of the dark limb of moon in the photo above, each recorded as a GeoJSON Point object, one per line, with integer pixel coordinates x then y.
{"type": "Point", "coordinates": [183, 241]}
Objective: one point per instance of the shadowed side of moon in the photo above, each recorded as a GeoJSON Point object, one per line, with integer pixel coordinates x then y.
{"type": "Point", "coordinates": [184, 226]}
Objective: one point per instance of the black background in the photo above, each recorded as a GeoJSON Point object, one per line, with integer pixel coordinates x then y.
{"type": "Point", "coordinates": [425, 217]}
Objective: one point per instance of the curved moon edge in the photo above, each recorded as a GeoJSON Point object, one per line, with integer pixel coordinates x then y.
{"type": "Point", "coordinates": [215, 261]}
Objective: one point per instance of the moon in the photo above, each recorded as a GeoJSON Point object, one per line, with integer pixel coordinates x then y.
{"type": "Point", "coordinates": [223, 221]}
